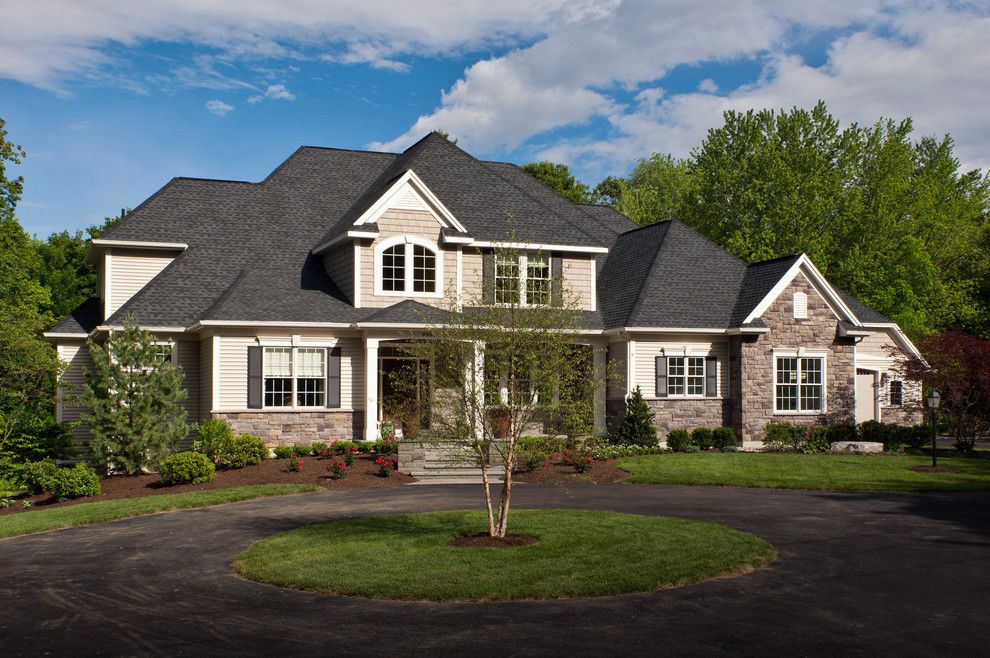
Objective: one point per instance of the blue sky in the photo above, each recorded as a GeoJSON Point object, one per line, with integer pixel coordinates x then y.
{"type": "Point", "coordinates": [110, 100]}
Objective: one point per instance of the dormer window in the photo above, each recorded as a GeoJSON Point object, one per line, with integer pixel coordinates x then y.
{"type": "Point", "coordinates": [408, 265]}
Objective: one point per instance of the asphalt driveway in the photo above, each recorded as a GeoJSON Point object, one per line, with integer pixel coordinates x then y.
{"type": "Point", "coordinates": [858, 574]}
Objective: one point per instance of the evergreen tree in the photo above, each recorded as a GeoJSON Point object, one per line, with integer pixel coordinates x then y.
{"type": "Point", "coordinates": [637, 426]}
{"type": "Point", "coordinates": [133, 401]}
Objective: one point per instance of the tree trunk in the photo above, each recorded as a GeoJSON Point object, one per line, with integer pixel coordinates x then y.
{"type": "Point", "coordinates": [488, 491]}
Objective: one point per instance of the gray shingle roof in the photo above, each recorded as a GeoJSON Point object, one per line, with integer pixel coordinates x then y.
{"type": "Point", "coordinates": [82, 320]}
{"type": "Point", "coordinates": [862, 311]}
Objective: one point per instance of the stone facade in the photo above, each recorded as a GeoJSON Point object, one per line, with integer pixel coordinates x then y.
{"type": "Point", "coordinates": [288, 428]}
{"type": "Point", "coordinates": [819, 331]}
{"type": "Point", "coordinates": [680, 413]}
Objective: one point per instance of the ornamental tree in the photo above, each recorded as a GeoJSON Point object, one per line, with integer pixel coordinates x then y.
{"type": "Point", "coordinates": [133, 400]}
{"type": "Point", "coordinates": [958, 367]}
{"type": "Point", "coordinates": [637, 426]}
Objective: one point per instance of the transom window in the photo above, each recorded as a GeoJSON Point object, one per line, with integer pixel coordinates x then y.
{"type": "Point", "coordinates": [407, 264]}
{"type": "Point", "coordinates": [686, 375]}
{"type": "Point", "coordinates": [525, 279]}
{"type": "Point", "coordinates": [800, 384]}
{"type": "Point", "coordinates": [896, 393]}
{"type": "Point", "coordinates": [295, 377]}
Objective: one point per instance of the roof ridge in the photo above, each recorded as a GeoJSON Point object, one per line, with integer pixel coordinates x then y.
{"type": "Point", "coordinates": [775, 260]}
{"type": "Point", "coordinates": [344, 150]}
{"type": "Point", "coordinates": [216, 180]}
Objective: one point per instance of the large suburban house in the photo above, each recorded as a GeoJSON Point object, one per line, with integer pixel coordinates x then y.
{"type": "Point", "coordinates": [283, 301]}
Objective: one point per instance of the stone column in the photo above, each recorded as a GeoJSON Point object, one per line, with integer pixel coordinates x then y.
{"type": "Point", "coordinates": [371, 430]}
{"type": "Point", "coordinates": [599, 351]}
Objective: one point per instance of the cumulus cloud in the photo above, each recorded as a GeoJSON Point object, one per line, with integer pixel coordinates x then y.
{"type": "Point", "coordinates": [218, 108]}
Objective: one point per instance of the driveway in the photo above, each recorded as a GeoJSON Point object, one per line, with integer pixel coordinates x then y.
{"type": "Point", "coordinates": [857, 574]}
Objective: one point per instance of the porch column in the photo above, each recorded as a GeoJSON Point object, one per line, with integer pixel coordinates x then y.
{"type": "Point", "coordinates": [371, 431]}
{"type": "Point", "coordinates": [599, 351]}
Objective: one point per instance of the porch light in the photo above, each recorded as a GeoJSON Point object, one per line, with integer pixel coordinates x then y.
{"type": "Point", "coordinates": [931, 401]}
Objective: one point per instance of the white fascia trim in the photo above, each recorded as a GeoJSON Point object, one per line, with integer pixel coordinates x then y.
{"type": "Point", "coordinates": [670, 330]}
{"type": "Point", "coordinates": [170, 246]}
{"type": "Point", "coordinates": [152, 328]}
{"type": "Point", "coordinates": [107, 283]}
{"type": "Point", "coordinates": [538, 247]}
{"type": "Point", "coordinates": [273, 323]}
{"type": "Point", "coordinates": [843, 331]}
{"type": "Point", "coordinates": [378, 208]}
{"type": "Point", "coordinates": [817, 279]}
{"type": "Point", "coordinates": [64, 334]}
{"type": "Point", "coordinates": [348, 235]}
{"type": "Point", "coordinates": [457, 239]}
{"type": "Point", "coordinates": [357, 274]}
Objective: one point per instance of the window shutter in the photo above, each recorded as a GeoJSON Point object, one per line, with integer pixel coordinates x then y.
{"type": "Point", "coordinates": [661, 367]}
{"type": "Point", "coordinates": [488, 277]}
{"type": "Point", "coordinates": [711, 377]}
{"type": "Point", "coordinates": [255, 379]}
{"type": "Point", "coordinates": [556, 280]}
{"type": "Point", "coordinates": [333, 378]}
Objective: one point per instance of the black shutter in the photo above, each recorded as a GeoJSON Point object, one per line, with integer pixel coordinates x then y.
{"type": "Point", "coordinates": [488, 277]}
{"type": "Point", "coordinates": [556, 280]}
{"type": "Point", "coordinates": [711, 377]}
{"type": "Point", "coordinates": [254, 377]}
{"type": "Point", "coordinates": [661, 376]}
{"type": "Point", "coordinates": [333, 378]}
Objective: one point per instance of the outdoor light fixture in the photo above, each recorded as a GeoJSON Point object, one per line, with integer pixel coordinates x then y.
{"type": "Point", "coordinates": [931, 401]}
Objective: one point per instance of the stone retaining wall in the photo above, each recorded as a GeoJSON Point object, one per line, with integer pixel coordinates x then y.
{"type": "Point", "coordinates": [288, 428]}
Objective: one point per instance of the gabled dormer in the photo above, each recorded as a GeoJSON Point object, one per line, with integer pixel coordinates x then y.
{"type": "Point", "coordinates": [123, 267]}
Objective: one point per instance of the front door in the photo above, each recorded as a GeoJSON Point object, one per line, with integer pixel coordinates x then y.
{"type": "Point", "coordinates": [403, 393]}
{"type": "Point", "coordinates": [866, 396]}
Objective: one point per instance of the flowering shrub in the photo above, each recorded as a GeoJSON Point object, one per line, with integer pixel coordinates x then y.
{"type": "Point", "coordinates": [295, 464]}
{"type": "Point", "coordinates": [579, 458]}
{"type": "Point", "coordinates": [316, 448]}
{"type": "Point", "coordinates": [614, 452]}
{"type": "Point", "coordinates": [388, 431]}
{"type": "Point", "coordinates": [337, 468]}
{"type": "Point", "coordinates": [386, 465]}
{"type": "Point", "coordinates": [347, 455]}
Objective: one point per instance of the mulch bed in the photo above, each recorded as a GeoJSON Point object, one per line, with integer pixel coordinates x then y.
{"type": "Point", "coordinates": [602, 472]}
{"type": "Point", "coordinates": [484, 540]}
{"type": "Point", "coordinates": [363, 475]}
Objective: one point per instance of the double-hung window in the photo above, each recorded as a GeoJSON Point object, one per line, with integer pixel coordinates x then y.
{"type": "Point", "coordinates": [799, 385]}
{"type": "Point", "coordinates": [506, 278]}
{"type": "Point", "coordinates": [896, 393]}
{"type": "Point", "coordinates": [408, 265]}
{"type": "Point", "coordinates": [686, 375]}
{"type": "Point", "coordinates": [295, 377]}
{"type": "Point", "coordinates": [524, 279]}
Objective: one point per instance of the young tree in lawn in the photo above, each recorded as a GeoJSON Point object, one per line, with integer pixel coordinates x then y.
{"type": "Point", "coordinates": [132, 396]}
{"type": "Point", "coordinates": [503, 363]}
{"type": "Point", "coordinates": [958, 367]}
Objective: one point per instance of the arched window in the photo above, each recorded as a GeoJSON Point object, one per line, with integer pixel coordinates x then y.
{"type": "Point", "coordinates": [408, 265]}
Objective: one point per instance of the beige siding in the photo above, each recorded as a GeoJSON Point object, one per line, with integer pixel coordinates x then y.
{"type": "Point", "coordinates": [648, 350]}
{"type": "Point", "coordinates": [76, 356]}
{"type": "Point", "coordinates": [577, 280]}
{"type": "Point", "coordinates": [186, 356]}
{"type": "Point", "coordinates": [232, 368]}
{"type": "Point", "coordinates": [877, 344]}
{"type": "Point", "coordinates": [339, 263]}
{"type": "Point", "coordinates": [131, 270]}
{"type": "Point", "coordinates": [205, 377]}
{"type": "Point", "coordinates": [616, 387]}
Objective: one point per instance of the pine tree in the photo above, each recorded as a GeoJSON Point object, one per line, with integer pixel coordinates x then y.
{"type": "Point", "coordinates": [133, 399]}
{"type": "Point", "coordinates": [637, 426]}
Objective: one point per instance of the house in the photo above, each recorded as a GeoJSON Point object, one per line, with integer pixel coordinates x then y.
{"type": "Point", "coordinates": [282, 300]}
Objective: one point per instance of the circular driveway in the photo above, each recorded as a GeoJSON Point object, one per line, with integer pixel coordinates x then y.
{"type": "Point", "coordinates": [856, 574]}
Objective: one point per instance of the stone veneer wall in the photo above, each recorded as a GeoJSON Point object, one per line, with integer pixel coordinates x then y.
{"type": "Point", "coordinates": [818, 331]}
{"type": "Point", "coordinates": [907, 414]}
{"type": "Point", "coordinates": [287, 428]}
{"type": "Point", "coordinates": [689, 413]}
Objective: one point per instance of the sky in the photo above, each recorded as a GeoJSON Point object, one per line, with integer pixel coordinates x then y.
{"type": "Point", "coordinates": [112, 98]}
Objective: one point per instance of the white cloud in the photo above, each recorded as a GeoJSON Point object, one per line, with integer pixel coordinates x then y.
{"type": "Point", "coordinates": [218, 108]}
{"type": "Point", "coordinates": [707, 86]}
{"type": "Point", "coordinates": [280, 93]}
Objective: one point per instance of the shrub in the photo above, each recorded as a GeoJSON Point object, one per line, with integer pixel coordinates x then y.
{"type": "Point", "coordinates": [337, 468]}
{"type": "Point", "coordinates": [37, 476]}
{"type": "Point", "coordinates": [295, 464]}
{"type": "Point", "coordinates": [301, 449]}
{"type": "Point", "coordinates": [730, 449]}
{"type": "Point", "coordinates": [212, 437]}
{"type": "Point", "coordinates": [186, 468]}
{"type": "Point", "coordinates": [702, 437]}
{"type": "Point", "coordinates": [877, 432]}
{"type": "Point", "coordinates": [637, 426]}
{"type": "Point", "coordinates": [579, 458]}
{"type": "Point", "coordinates": [692, 448]}
{"type": "Point", "coordinates": [346, 454]}
{"type": "Point", "coordinates": [385, 447]}
{"type": "Point", "coordinates": [914, 436]}
{"type": "Point", "coordinates": [678, 440]}
{"type": "Point", "coordinates": [76, 482]}
{"type": "Point", "coordinates": [841, 433]}
{"type": "Point", "coordinates": [780, 436]}
{"type": "Point", "coordinates": [341, 447]}
{"type": "Point", "coordinates": [724, 437]}
{"type": "Point", "coordinates": [388, 431]}
{"type": "Point", "coordinates": [283, 452]}
{"type": "Point", "coordinates": [816, 440]}
{"type": "Point", "coordinates": [601, 452]}
{"type": "Point", "coordinates": [245, 450]}
{"type": "Point", "coordinates": [317, 447]}
{"type": "Point", "coordinates": [386, 466]}
{"type": "Point", "coordinates": [532, 453]}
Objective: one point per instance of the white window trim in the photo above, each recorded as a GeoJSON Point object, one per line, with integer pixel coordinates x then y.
{"type": "Point", "coordinates": [686, 354]}
{"type": "Point", "coordinates": [409, 241]}
{"type": "Point", "coordinates": [294, 346]}
{"type": "Point", "coordinates": [523, 271]}
{"type": "Point", "coordinates": [800, 353]}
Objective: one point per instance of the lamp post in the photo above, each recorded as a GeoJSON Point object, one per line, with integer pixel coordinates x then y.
{"type": "Point", "coordinates": [931, 401]}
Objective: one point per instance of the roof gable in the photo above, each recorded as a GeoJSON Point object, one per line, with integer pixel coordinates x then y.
{"type": "Point", "coordinates": [803, 265]}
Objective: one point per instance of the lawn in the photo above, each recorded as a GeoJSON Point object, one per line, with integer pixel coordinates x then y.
{"type": "Point", "coordinates": [794, 471]}
{"type": "Point", "coordinates": [108, 510]}
{"type": "Point", "coordinates": [578, 553]}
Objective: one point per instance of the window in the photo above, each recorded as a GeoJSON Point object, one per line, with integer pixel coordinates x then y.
{"type": "Point", "coordinates": [311, 376]}
{"type": "Point", "coordinates": [163, 352]}
{"type": "Point", "coordinates": [506, 279]}
{"type": "Point", "coordinates": [525, 279]}
{"type": "Point", "coordinates": [278, 376]}
{"type": "Point", "coordinates": [424, 269]}
{"type": "Point", "coordinates": [686, 375]}
{"type": "Point", "coordinates": [408, 265]}
{"type": "Point", "coordinates": [394, 268]}
{"type": "Point", "coordinates": [896, 393]}
{"type": "Point", "coordinates": [799, 384]}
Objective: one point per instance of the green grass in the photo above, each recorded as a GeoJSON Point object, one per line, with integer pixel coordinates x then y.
{"type": "Point", "coordinates": [108, 510]}
{"type": "Point", "coordinates": [579, 553]}
{"type": "Point", "coordinates": [830, 472]}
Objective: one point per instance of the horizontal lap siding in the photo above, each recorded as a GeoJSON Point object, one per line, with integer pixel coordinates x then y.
{"type": "Point", "coordinates": [187, 358]}
{"type": "Point", "coordinates": [131, 270]}
{"type": "Point", "coordinates": [616, 385]}
{"type": "Point", "coordinates": [339, 263]}
{"type": "Point", "coordinates": [206, 401]}
{"type": "Point", "coordinates": [232, 371]}
{"type": "Point", "coordinates": [77, 358]}
{"type": "Point", "coordinates": [648, 351]}
{"type": "Point", "coordinates": [577, 280]}
{"type": "Point", "coordinates": [471, 277]}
